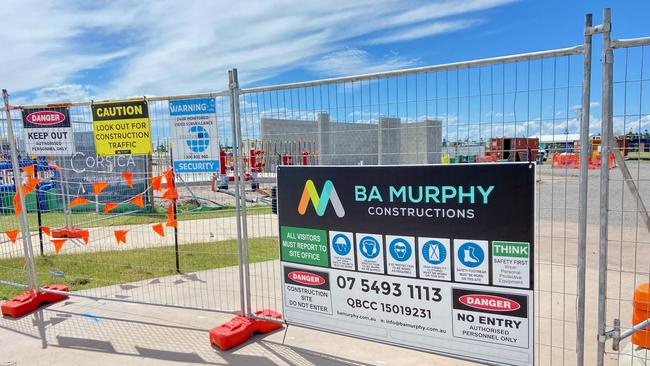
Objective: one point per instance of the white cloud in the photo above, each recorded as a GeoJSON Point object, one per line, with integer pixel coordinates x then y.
{"type": "Point", "coordinates": [64, 93]}
{"type": "Point", "coordinates": [356, 61]}
{"type": "Point", "coordinates": [167, 47]}
{"type": "Point", "coordinates": [424, 30]}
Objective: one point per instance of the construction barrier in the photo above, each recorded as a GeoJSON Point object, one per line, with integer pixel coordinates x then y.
{"type": "Point", "coordinates": [572, 161]}
{"type": "Point", "coordinates": [185, 217]}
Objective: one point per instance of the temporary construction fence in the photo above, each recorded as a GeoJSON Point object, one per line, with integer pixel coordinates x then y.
{"type": "Point", "coordinates": [414, 117]}
{"type": "Point", "coordinates": [131, 229]}
{"type": "Point", "coordinates": [624, 247]}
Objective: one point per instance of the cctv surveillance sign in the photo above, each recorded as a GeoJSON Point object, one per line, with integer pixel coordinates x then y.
{"type": "Point", "coordinates": [435, 258]}
{"type": "Point", "coordinates": [195, 144]}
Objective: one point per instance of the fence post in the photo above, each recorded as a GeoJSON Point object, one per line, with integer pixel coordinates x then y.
{"type": "Point", "coordinates": [240, 186]}
{"type": "Point", "coordinates": [233, 85]}
{"type": "Point", "coordinates": [605, 141]}
{"type": "Point", "coordinates": [585, 152]}
{"type": "Point", "coordinates": [24, 224]}
{"type": "Point", "coordinates": [175, 210]}
{"type": "Point", "coordinates": [38, 210]}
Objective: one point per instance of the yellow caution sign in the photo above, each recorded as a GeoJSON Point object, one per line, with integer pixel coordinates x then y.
{"type": "Point", "coordinates": [122, 127]}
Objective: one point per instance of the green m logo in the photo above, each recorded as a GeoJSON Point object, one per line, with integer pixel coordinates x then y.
{"type": "Point", "coordinates": [309, 193]}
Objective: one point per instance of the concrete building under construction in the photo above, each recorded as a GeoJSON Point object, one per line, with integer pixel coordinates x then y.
{"type": "Point", "coordinates": [389, 141]}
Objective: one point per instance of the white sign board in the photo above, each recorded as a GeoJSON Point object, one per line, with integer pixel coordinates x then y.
{"type": "Point", "coordinates": [48, 132]}
{"type": "Point", "coordinates": [435, 258]}
{"type": "Point", "coordinates": [195, 141]}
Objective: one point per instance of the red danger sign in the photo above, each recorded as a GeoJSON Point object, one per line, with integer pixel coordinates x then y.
{"type": "Point", "coordinates": [306, 278]}
{"type": "Point", "coordinates": [48, 131]}
{"type": "Point", "coordinates": [45, 118]}
{"type": "Point", "coordinates": [489, 302]}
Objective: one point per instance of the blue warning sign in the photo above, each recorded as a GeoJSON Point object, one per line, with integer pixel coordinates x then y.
{"type": "Point", "coordinates": [400, 249]}
{"type": "Point", "coordinates": [341, 244]}
{"type": "Point", "coordinates": [434, 252]}
{"type": "Point", "coordinates": [471, 254]}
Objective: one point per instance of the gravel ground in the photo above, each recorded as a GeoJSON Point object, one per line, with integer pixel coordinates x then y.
{"type": "Point", "coordinates": [558, 194]}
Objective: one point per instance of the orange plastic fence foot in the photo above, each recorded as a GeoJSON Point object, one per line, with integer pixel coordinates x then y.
{"type": "Point", "coordinates": [29, 301]}
{"type": "Point", "coordinates": [641, 312]}
{"type": "Point", "coordinates": [239, 329]}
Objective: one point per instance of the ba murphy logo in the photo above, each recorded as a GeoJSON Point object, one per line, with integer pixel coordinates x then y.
{"type": "Point", "coordinates": [320, 202]}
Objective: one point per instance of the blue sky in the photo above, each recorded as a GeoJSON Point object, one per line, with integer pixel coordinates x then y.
{"type": "Point", "coordinates": [80, 50]}
{"type": "Point", "coordinates": [109, 49]}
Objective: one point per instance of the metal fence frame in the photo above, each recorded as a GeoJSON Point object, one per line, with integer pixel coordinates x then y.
{"type": "Point", "coordinates": [609, 146]}
{"type": "Point", "coordinates": [237, 99]}
{"type": "Point", "coordinates": [580, 50]}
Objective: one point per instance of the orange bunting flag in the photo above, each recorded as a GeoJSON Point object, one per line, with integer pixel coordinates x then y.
{"type": "Point", "coordinates": [98, 187]}
{"type": "Point", "coordinates": [120, 236]}
{"type": "Point", "coordinates": [33, 182]}
{"type": "Point", "coordinates": [109, 206]}
{"type": "Point", "coordinates": [29, 170]}
{"type": "Point", "coordinates": [46, 230]}
{"type": "Point", "coordinates": [78, 201]}
{"type": "Point", "coordinates": [13, 235]}
{"type": "Point", "coordinates": [128, 177]}
{"type": "Point", "coordinates": [138, 201]}
{"type": "Point", "coordinates": [84, 235]}
{"type": "Point", "coordinates": [171, 221]}
{"type": "Point", "coordinates": [170, 194]}
{"type": "Point", "coordinates": [156, 183]}
{"type": "Point", "coordinates": [169, 177]}
{"type": "Point", "coordinates": [27, 190]}
{"type": "Point", "coordinates": [58, 244]}
{"type": "Point", "coordinates": [159, 229]}
{"type": "Point", "coordinates": [18, 208]}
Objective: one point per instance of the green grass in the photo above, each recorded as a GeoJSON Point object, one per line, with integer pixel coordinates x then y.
{"type": "Point", "coordinates": [87, 219]}
{"type": "Point", "coordinates": [98, 269]}
{"type": "Point", "coordinates": [635, 155]}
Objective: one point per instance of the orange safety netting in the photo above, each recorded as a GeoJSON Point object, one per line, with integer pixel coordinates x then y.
{"type": "Point", "coordinates": [572, 161]}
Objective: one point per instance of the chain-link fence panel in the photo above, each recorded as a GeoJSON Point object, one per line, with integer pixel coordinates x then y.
{"type": "Point", "coordinates": [128, 227]}
{"type": "Point", "coordinates": [625, 243]}
{"type": "Point", "coordinates": [512, 108]}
